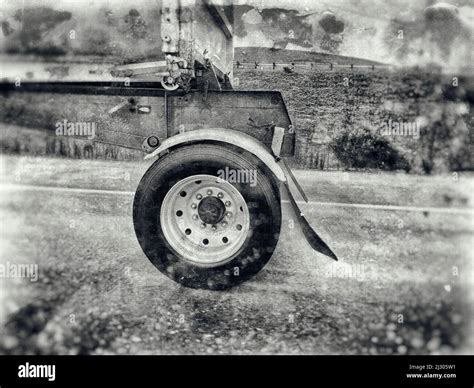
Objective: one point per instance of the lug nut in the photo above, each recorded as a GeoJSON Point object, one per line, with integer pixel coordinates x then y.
{"type": "Point", "coordinates": [199, 196]}
{"type": "Point", "coordinates": [203, 225]}
{"type": "Point", "coordinates": [214, 228]}
{"type": "Point", "coordinates": [228, 203]}
{"type": "Point", "coordinates": [194, 206]}
{"type": "Point", "coordinates": [224, 223]}
{"type": "Point", "coordinates": [209, 192]}
{"type": "Point", "coordinates": [220, 195]}
{"type": "Point", "coordinates": [229, 214]}
{"type": "Point", "coordinates": [195, 217]}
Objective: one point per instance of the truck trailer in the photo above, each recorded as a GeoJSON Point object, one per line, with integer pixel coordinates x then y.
{"type": "Point", "coordinates": [207, 212]}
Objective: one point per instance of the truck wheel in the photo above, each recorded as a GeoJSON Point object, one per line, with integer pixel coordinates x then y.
{"type": "Point", "coordinates": [208, 216]}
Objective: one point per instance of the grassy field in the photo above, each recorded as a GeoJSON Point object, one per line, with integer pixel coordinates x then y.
{"type": "Point", "coordinates": [394, 291]}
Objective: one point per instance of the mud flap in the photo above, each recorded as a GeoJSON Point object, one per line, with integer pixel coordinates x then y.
{"type": "Point", "coordinates": [311, 236]}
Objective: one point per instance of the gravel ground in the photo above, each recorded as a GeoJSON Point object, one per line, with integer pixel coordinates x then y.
{"type": "Point", "coordinates": [403, 285]}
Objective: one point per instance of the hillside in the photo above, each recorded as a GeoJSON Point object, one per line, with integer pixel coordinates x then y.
{"type": "Point", "coordinates": [326, 104]}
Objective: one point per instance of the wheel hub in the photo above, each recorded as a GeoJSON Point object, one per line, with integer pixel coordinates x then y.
{"type": "Point", "coordinates": [211, 210]}
{"type": "Point", "coordinates": [205, 220]}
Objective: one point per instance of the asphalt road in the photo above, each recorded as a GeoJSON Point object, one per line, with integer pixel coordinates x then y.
{"type": "Point", "coordinates": [403, 285]}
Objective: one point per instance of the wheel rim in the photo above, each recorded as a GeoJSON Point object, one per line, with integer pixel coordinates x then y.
{"type": "Point", "coordinates": [169, 83]}
{"type": "Point", "coordinates": [205, 220]}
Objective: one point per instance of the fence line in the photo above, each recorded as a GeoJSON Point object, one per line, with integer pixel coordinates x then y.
{"type": "Point", "coordinates": [306, 65]}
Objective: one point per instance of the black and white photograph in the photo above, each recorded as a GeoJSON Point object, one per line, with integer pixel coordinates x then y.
{"type": "Point", "coordinates": [237, 178]}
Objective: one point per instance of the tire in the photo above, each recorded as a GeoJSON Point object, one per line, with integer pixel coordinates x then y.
{"type": "Point", "coordinates": [241, 239]}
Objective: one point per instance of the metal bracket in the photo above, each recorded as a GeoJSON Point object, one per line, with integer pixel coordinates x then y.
{"type": "Point", "coordinates": [289, 173]}
{"type": "Point", "coordinates": [277, 140]}
{"type": "Point", "coordinates": [169, 27]}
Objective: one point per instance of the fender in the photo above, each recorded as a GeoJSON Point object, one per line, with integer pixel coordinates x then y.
{"type": "Point", "coordinates": [222, 135]}
{"type": "Point", "coordinates": [253, 146]}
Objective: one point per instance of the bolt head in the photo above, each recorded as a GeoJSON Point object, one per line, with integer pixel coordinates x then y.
{"type": "Point", "coordinates": [203, 225]}
{"type": "Point", "coordinates": [224, 223]}
{"type": "Point", "coordinates": [194, 206]}
{"type": "Point", "coordinates": [220, 195]}
{"type": "Point", "coordinates": [228, 203]}
{"type": "Point", "coordinates": [228, 214]}
{"type": "Point", "coordinates": [199, 196]}
{"type": "Point", "coordinates": [214, 228]}
{"type": "Point", "coordinates": [195, 217]}
{"type": "Point", "coordinates": [209, 192]}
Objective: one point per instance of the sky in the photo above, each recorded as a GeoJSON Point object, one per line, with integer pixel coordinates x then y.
{"type": "Point", "coordinates": [368, 25]}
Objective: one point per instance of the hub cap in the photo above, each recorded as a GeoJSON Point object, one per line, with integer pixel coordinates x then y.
{"type": "Point", "coordinates": [211, 210]}
{"type": "Point", "coordinates": [205, 220]}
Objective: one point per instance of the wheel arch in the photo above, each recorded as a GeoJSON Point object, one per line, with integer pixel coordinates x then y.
{"type": "Point", "coordinates": [224, 136]}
